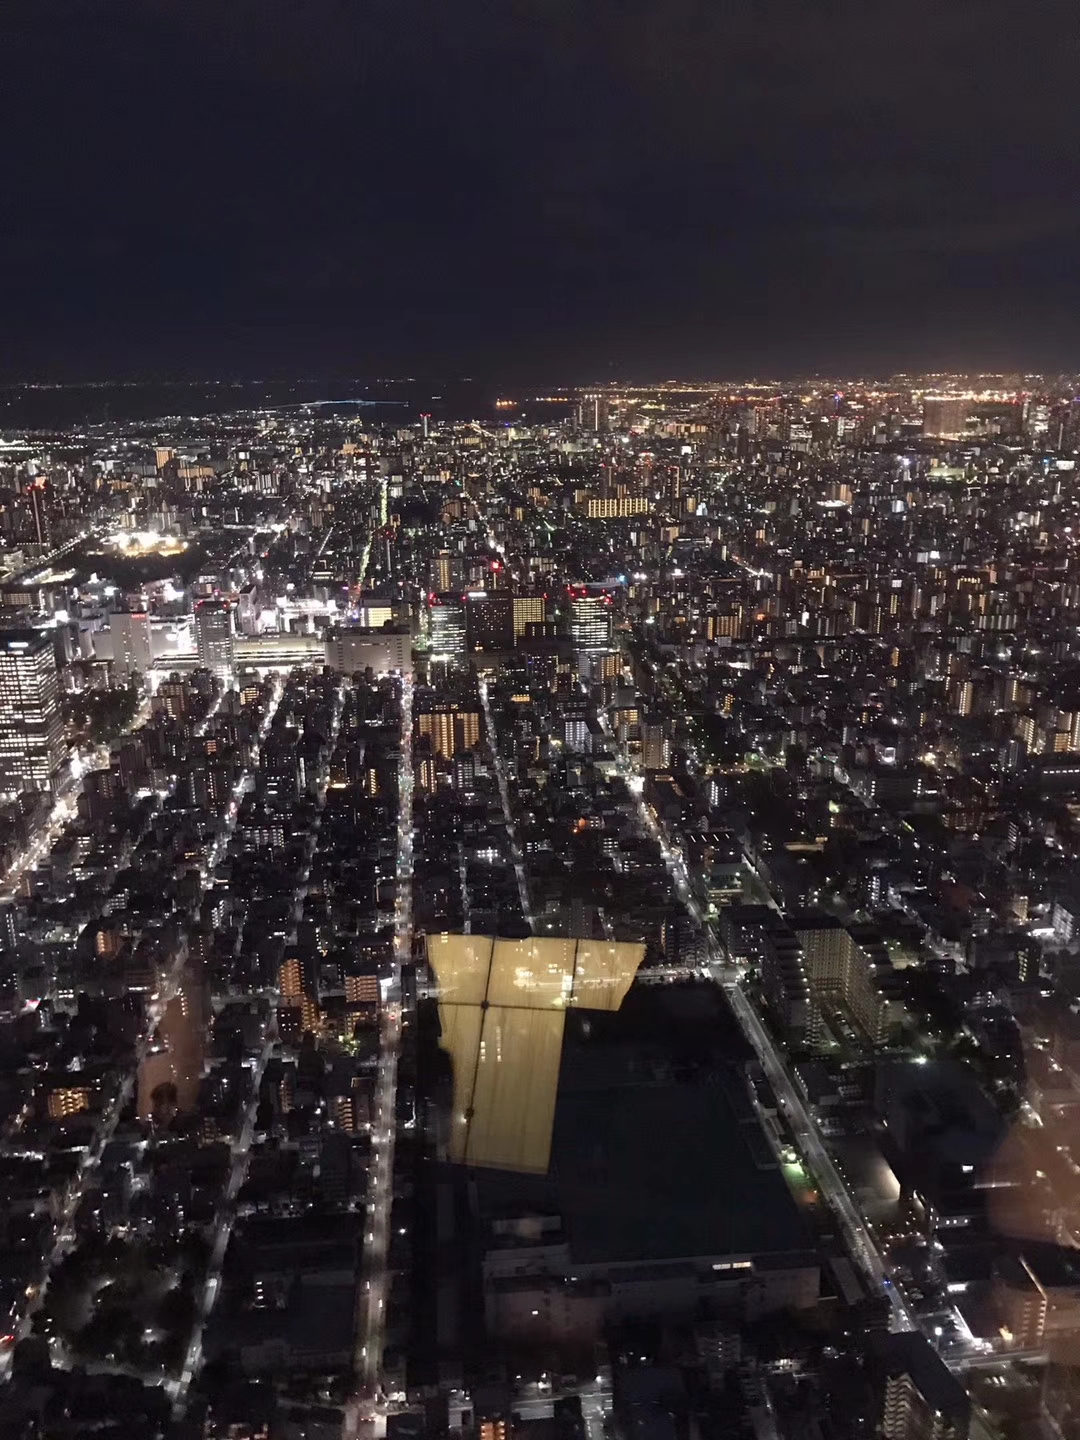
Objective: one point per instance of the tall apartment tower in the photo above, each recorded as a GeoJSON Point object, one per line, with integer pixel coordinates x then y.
{"type": "Point", "coordinates": [451, 729]}
{"type": "Point", "coordinates": [655, 744]}
{"type": "Point", "coordinates": [32, 745]}
{"type": "Point", "coordinates": [593, 413]}
{"type": "Point", "coordinates": [923, 1399]}
{"type": "Point", "coordinates": [849, 968]}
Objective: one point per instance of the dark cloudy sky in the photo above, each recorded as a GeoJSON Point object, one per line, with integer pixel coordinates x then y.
{"type": "Point", "coordinates": [537, 188]}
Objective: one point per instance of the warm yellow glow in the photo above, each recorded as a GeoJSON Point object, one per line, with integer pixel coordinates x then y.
{"type": "Point", "coordinates": [534, 973]}
{"type": "Point", "coordinates": [462, 964]}
{"type": "Point", "coordinates": [604, 972]}
{"type": "Point", "coordinates": [517, 1079]}
{"type": "Point", "coordinates": [145, 542]}
{"type": "Point", "coordinates": [502, 1010]}
{"type": "Point", "coordinates": [460, 1026]}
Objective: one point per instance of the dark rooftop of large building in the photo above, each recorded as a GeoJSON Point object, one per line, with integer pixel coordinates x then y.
{"type": "Point", "coordinates": [657, 1153]}
{"type": "Point", "coordinates": [910, 1353]}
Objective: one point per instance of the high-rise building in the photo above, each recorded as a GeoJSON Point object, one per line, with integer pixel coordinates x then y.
{"type": "Point", "coordinates": [590, 620]}
{"type": "Point", "coordinates": [617, 507]}
{"type": "Point", "coordinates": [945, 416]}
{"type": "Point", "coordinates": [446, 625]}
{"type": "Point", "coordinates": [247, 610]}
{"type": "Point", "coordinates": [489, 620]}
{"type": "Point", "coordinates": [576, 734]}
{"type": "Point", "coordinates": [362, 987]}
{"type": "Point", "coordinates": [849, 968]}
{"type": "Point", "coordinates": [593, 412]}
{"type": "Point", "coordinates": [31, 726]}
{"type": "Point", "coordinates": [132, 651]}
{"type": "Point", "coordinates": [446, 571]}
{"type": "Point", "coordinates": [596, 666]}
{"type": "Point", "coordinates": [923, 1399]}
{"type": "Point", "coordinates": [427, 770]}
{"type": "Point", "coordinates": [354, 649]}
{"type": "Point", "coordinates": [451, 729]}
{"type": "Point", "coordinates": [827, 949]}
{"type": "Point", "coordinates": [786, 986]}
{"type": "Point", "coordinates": [1036, 1298]}
{"type": "Point", "coordinates": [655, 745]}
{"type": "Point", "coordinates": [299, 990]}
{"type": "Point", "coordinates": [9, 928]}
{"type": "Point", "coordinates": [528, 610]}
{"type": "Point", "coordinates": [39, 512]}
{"type": "Point", "coordinates": [291, 978]}
{"type": "Point", "coordinates": [68, 1100]}
{"type": "Point", "coordinates": [214, 635]}
{"type": "Point", "coordinates": [464, 773]}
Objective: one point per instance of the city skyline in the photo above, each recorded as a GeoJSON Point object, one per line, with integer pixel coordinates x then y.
{"type": "Point", "coordinates": [539, 720]}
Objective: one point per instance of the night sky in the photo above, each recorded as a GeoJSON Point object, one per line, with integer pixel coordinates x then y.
{"type": "Point", "coordinates": [537, 189]}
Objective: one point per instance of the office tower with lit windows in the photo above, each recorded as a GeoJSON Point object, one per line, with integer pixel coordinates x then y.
{"type": "Point", "coordinates": [489, 620]}
{"type": "Point", "coordinates": [590, 620]}
{"type": "Point", "coordinates": [31, 726]}
{"type": "Point", "coordinates": [528, 610]}
{"type": "Point", "coordinates": [214, 635]}
{"type": "Point", "coordinates": [655, 745]}
{"type": "Point", "coordinates": [446, 625]}
{"type": "Point", "coordinates": [945, 416]}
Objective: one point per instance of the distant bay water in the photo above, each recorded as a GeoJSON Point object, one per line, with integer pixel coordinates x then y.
{"type": "Point", "coordinates": [66, 407]}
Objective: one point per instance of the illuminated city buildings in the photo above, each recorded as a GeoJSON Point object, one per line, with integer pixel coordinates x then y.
{"type": "Point", "coordinates": [773, 689]}
{"type": "Point", "coordinates": [32, 747]}
{"type": "Point", "coordinates": [214, 635]}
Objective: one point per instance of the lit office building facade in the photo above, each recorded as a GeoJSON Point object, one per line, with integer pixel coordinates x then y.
{"type": "Point", "coordinates": [528, 610]}
{"type": "Point", "coordinates": [590, 620]}
{"type": "Point", "coordinates": [447, 628]}
{"type": "Point", "coordinates": [214, 636]}
{"type": "Point", "coordinates": [489, 620]}
{"type": "Point", "coordinates": [32, 745]}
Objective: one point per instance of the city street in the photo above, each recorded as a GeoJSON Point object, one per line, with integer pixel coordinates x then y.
{"type": "Point", "coordinates": [373, 1293]}
{"type": "Point", "coordinates": [241, 1148]}
{"type": "Point", "coordinates": [167, 990]}
{"type": "Point", "coordinates": [508, 814]}
{"type": "Point", "coordinates": [856, 1232]}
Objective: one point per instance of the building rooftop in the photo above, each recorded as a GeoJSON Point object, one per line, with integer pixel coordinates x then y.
{"type": "Point", "coordinates": [653, 1156]}
{"type": "Point", "coordinates": [910, 1353]}
{"type": "Point", "coordinates": [502, 1009]}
